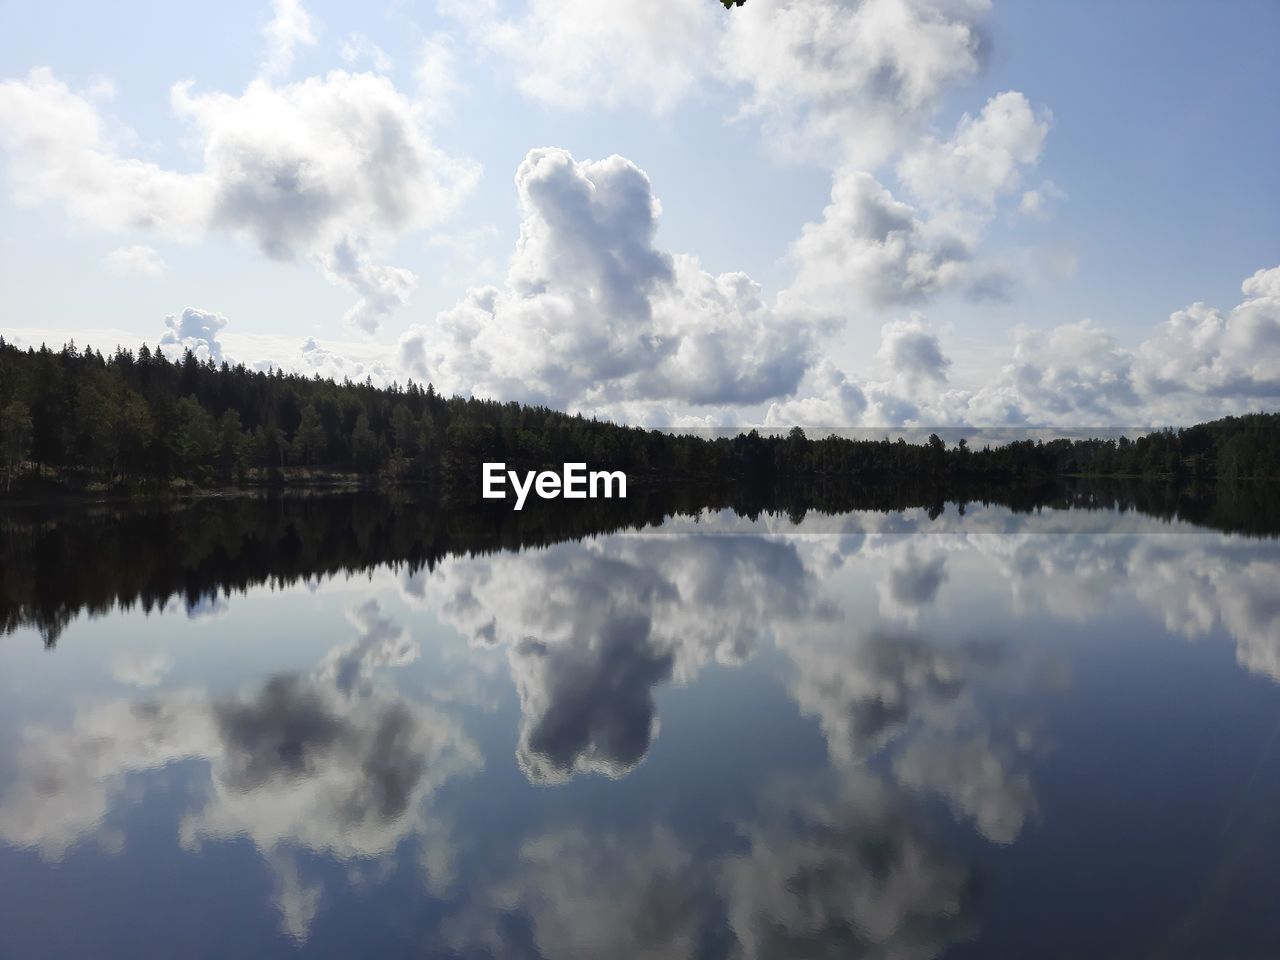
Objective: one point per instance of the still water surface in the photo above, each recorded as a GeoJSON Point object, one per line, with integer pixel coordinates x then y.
{"type": "Point", "coordinates": [877, 734]}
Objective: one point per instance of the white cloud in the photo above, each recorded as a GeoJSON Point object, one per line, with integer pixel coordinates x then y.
{"type": "Point", "coordinates": [909, 386]}
{"type": "Point", "coordinates": [1073, 375]}
{"type": "Point", "coordinates": [983, 161]}
{"type": "Point", "coordinates": [1040, 202]}
{"type": "Point", "coordinates": [331, 168]}
{"type": "Point", "coordinates": [436, 76]}
{"type": "Point", "coordinates": [829, 397]}
{"type": "Point", "coordinates": [593, 314]}
{"type": "Point", "coordinates": [877, 250]}
{"type": "Point", "coordinates": [579, 53]}
{"type": "Point", "coordinates": [1202, 351]}
{"type": "Point", "coordinates": [910, 350]}
{"type": "Point", "coordinates": [313, 357]}
{"type": "Point", "coordinates": [194, 330]}
{"type": "Point", "coordinates": [1202, 363]}
{"type": "Point", "coordinates": [61, 148]}
{"type": "Point", "coordinates": [850, 81]}
{"type": "Point", "coordinates": [847, 79]}
{"type": "Point", "coordinates": [288, 29]}
{"type": "Point", "coordinates": [880, 250]}
{"type": "Point", "coordinates": [358, 48]}
{"type": "Point", "coordinates": [135, 259]}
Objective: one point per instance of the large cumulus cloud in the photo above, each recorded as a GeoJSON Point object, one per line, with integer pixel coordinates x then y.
{"type": "Point", "coordinates": [593, 313]}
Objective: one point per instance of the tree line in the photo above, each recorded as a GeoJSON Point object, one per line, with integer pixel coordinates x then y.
{"type": "Point", "coordinates": [78, 419]}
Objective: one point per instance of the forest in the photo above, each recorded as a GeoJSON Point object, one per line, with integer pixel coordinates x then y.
{"type": "Point", "coordinates": [76, 420]}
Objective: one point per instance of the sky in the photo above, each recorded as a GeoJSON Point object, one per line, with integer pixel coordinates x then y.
{"type": "Point", "coordinates": [829, 213]}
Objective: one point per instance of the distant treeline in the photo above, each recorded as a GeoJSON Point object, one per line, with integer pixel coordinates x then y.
{"type": "Point", "coordinates": [76, 419]}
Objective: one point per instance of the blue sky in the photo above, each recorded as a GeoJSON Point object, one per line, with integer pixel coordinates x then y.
{"type": "Point", "coordinates": [1147, 133]}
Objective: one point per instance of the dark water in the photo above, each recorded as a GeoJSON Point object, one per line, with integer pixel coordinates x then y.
{"type": "Point", "coordinates": [357, 727]}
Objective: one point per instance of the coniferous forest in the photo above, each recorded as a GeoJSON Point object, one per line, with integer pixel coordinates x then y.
{"type": "Point", "coordinates": [76, 420]}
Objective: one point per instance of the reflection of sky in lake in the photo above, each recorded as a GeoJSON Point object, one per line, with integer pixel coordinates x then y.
{"type": "Point", "coordinates": [987, 741]}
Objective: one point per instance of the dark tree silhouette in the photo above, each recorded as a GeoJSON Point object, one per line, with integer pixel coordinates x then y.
{"type": "Point", "coordinates": [77, 420]}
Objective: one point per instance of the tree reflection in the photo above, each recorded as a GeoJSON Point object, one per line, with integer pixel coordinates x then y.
{"type": "Point", "coordinates": [58, 561]}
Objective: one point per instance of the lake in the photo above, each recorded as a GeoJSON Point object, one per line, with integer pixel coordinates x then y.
{"type": "Point", "coordinates": [359, 726]}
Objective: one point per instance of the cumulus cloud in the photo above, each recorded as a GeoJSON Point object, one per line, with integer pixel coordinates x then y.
{"type": "Point", "coordinates": [853, 81]}
{"type": "Point", "coordinates": [910, 349]}
{"type": "Point", "coordinates": [135, 259]}
{"type": "Point", "coordinates": [828, 397]}
{"type": "Point", "coordinates": [876, 248]}
{"type": "Point", "coordinates": [824, 76]}
{"type": "Point", "coordinates": [578, 53]}
{"type": "Point", "coordinates": [381, 643]}
{"type": "Point", "coordinates": [194, 330]}
{"type": "Point", "coordinates": [61, 148]}
{"type": "Point", "coordinates": [592, 313]}
{"type": "Point", "coordinates": [963, 177]}
{"type": "Point", "coordinates": [882, 251]}
{"type": "Point", "coordinates": [1200, 364]}
{"type": "Point", "coordinates": [1075, 374]}
{"type": "Point", "coordinates": [908, 386]}
{"type": "Point", "coordinates": [1203, 351]}
{"type": "Point", "coordinates": [317, 358]}
{"type": "Point", "coordinates": [330, 168]}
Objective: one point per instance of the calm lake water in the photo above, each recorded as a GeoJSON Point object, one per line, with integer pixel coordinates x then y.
{"type": "Point", "coordinates": [344, 729]}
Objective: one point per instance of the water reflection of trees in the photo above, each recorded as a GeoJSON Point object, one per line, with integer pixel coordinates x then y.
{"type": "Point", "coordinates": [845, 861]}
{"type": "Point", "coordinates": [59, 561]}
